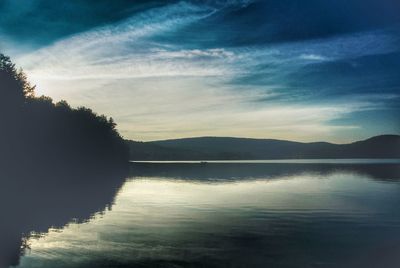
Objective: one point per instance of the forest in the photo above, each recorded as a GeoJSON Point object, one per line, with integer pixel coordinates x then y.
{"type": "Point", "coordinates": [39, 135]}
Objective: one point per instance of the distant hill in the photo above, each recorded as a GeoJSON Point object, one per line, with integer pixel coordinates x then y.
{"type": "Point", "coordinates": [227, 148]}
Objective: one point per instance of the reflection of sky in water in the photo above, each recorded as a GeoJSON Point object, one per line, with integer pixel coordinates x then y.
{"type": "Point", "coordinates": [157, 221]}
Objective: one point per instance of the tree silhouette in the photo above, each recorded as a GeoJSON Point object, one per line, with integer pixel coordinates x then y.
{"type": "Point", "coordinates": [38, 133]}
{"type": "Point", "coordinates": [14, 85]}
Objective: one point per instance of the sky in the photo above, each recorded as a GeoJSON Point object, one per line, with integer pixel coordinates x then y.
{"type": "Point", "coordinates": [316, 70]}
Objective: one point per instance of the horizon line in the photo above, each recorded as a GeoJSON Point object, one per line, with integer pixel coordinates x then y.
{"type": "Point", "coordinates": [270, 139]}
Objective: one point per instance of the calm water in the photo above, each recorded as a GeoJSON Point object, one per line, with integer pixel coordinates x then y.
{"type": "Point", "coordinates": [237, 215]}
{"type": "Point", "coordinates": [287, 161]}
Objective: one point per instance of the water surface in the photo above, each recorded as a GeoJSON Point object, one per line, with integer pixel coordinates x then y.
{"type": "Point", "coordinates": [237, 215]}
{"type": "Point", "coordinates": [285, 161]}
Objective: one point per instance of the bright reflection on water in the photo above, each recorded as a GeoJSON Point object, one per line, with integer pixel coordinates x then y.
{"type": "Point", "coordinates": [308, 217]}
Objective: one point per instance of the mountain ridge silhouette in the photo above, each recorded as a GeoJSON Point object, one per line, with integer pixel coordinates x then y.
{"type": "Point", "coordinates": [234, 148]}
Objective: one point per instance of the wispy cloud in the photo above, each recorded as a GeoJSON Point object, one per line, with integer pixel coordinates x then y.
{"type": "Point", "coordinates": [312, 57]}
{"type": "Point", "coordinates": [150, 109]}
{"type": "Point", "coordinates": [158, 89]}
{"type": "Point", "coordinates": [126, 50]}
{"type": "Point", "coordinates": [120, 50]}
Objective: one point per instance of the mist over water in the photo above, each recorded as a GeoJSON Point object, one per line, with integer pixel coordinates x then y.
{"type": "Point", "coordinates": [236, 215]}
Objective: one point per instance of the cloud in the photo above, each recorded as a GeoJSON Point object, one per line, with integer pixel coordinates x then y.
{"type": "Point", "coordinates": [151, 109]}
{"type": "Point", "coordinates": [312, 57]}
{"type": "Point", "coordinates": [123, 50]}
{"type": "Point", "coordinates": [126, 50]}
{"type": "Point", "coordinates": [159, 89]}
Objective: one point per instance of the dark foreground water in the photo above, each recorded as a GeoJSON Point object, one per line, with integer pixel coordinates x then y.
{"type": "Point", "coordinates": [235, 215]}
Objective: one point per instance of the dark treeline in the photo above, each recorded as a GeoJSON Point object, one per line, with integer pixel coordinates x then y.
{"type": "Point", "coordinates": [57, 163]}
{"type": "Point", "coordinates": [38, 134]}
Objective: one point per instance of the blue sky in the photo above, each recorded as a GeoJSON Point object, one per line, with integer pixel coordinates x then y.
{"type": "Point", "coordinates": [289, 69]}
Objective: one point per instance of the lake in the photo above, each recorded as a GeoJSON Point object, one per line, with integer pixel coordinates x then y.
{"type": "Point", "coordinates": [297, 214]}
